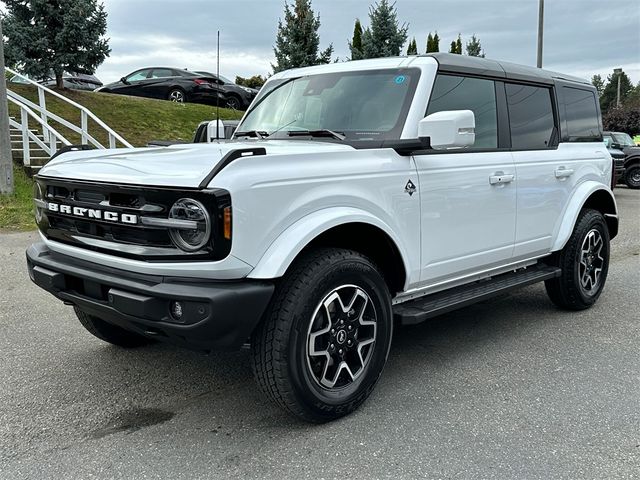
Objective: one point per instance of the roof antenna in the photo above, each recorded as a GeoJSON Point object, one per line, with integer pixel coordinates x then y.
{"type": "Point", "coordinates": [218, 93]}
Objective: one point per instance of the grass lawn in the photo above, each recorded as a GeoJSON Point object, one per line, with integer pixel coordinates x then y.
{"type": "Point", "coordinates": [16, 210]}
{"type": "Point", "coordinates": [137, 120]}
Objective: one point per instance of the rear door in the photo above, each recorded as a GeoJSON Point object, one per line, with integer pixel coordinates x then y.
{"type": "Point", "coordinates": [160, 82]}
{"type": "Point", "coordinates": [468, 196]}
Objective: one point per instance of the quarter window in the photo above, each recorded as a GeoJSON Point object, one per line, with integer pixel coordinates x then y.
{"type": "Point", "coordinates": [530, 116]}
{"type": "Point", "coordinates": [465, 93]}
{"type": "Point", "coordinates": [582, 117]}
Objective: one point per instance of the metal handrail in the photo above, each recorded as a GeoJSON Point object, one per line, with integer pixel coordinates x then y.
{"type": "Point", "coordinates": [85, 114]}
{"type": "Point", "coordinates": [50, 134]}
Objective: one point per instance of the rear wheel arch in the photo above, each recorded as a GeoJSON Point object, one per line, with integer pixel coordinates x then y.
{"type": "Point", "coordinates": [589, 195]}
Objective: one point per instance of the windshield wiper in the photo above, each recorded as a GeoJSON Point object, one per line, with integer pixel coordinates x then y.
{"type": "Point", "coordinates": [251, 133]}
{"type": "Point", "coordinates": [317, 133]}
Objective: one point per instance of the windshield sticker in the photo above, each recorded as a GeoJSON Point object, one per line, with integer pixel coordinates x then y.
{"type": "Point", "coordinates": [400, 79]}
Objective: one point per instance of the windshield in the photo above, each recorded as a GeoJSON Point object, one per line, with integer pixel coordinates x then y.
{"type": "Point", "coordinates": [365, 105]}
{"type": "Point", "coordinates": [623, 139]}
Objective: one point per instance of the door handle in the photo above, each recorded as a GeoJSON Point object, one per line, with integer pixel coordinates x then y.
{"type": "Point", "coordinates": [563, 172]}
{"type": "Point", "coordinates": [500, 178]}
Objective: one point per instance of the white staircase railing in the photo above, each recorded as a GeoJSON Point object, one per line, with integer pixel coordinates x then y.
{"type": "Point", "coordinates": [42, 117]}
{"type": "Point", "coordinates": [50, 136]}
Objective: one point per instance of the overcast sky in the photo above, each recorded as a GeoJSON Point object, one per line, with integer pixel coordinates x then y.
{"type": "Point", "coordinates": [581, 37]}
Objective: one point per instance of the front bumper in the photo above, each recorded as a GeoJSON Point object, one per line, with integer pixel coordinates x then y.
{"type": "Point", "coordinates": [217, 315]}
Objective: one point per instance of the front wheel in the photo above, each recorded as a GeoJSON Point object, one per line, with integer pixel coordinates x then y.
{"type": "Point", "coordinates": [632, 176]}
{"type": "Point", "coordinates": [326, 338]}
{"type": "Point", "coordinates": [234, 103]}
{"type": "Point", "coordinates": [584, 262]}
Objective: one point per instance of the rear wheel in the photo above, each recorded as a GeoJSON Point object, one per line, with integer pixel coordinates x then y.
{"type": "Point", "coordinates": [324, 343]}
{"type": "Point", "coordinates": [632, 176]}
{"type": "Point", "coordinates": [110, 333]}
{"type": "Point", "coordinates": [176, 95]}
{"type": "Point", "coordinates": [584, 262]}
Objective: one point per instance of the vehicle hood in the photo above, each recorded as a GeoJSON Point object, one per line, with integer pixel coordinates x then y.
{"type": "Point", "coordinates": [631, 150]}
{"type": "Point", "coordinates": [184, 165]}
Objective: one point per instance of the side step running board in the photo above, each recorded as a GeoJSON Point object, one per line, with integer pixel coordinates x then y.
{"type": "Point", "coordinates": [421, 309]}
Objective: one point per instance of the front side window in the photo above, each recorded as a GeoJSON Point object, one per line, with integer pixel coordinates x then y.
{"type": "Point", "coordinates": [581, 113]}
{"type": "Point", "coordinates": [367, 105]}
{"type": "Point", "coordinates": [530, 116]}
{"type": "Point", "coordinates": [137, 76]}
{"type": "Point", "coordinates": [623, 139]}
{"type": "Point", "coordinates": [465, 93]}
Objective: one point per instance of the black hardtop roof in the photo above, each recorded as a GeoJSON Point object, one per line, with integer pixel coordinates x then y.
{"type": "Point", "coordinates": [449, 62]}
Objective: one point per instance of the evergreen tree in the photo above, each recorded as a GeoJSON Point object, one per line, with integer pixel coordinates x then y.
{"type": "Point", "coordinates": [413, 47]}
{"type": "Point", "coordinates": [474, 48]}
{"type": "Point", "coordinates": [44, 36]}
{"type": "Point", "coordinates": [297, 40]}
{"type": "Point", "coordinates": [356, 42]}
{"type": "Point", "coordinates": [433, 43]}
{"type": "Point", "coordinates": [597, 82]}
{"type": "Point", "coordinates": [609, 94]}
{"type": "Point", "coordinates": [456, 46]}
{"type": "Point", "coordinates": [384, 37]}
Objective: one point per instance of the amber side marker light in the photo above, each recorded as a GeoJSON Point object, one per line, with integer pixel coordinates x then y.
{"type": "Point", "coordinates": [227, 222]}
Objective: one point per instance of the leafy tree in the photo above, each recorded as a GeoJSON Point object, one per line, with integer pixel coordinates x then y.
{"type": "Point", "coordinates": [355, 46]}
{"type": "Point", "coordinates": [474, 48]}
{"type": "Point", "coordinates": [297, 40]}
{"type": "Point", "coordinates": [597, 82]}
{"type": "Point", "coordinates": [609, 94]}
{"type": "Point", "coordinates": [433, 43]}
{"type": "Point", "coordinates": [456, 46]}
{"type": "Point", "coordinates": [384, 37]}
{"type": "Point", "coordinates": [413, 47]}
{"type": "Point", "coordinates": [623, 119]}
{"type": "Point", "coordinates": [44, 36]}
{"type": "Point", "coordinates": [257, 81]}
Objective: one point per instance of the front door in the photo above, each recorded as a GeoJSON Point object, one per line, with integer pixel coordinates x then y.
{"type": "Point", "coordinates": [468, 197]}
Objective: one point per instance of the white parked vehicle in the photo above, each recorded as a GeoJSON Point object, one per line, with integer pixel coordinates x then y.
{"type": "Point", "coordinates": [353, 196]}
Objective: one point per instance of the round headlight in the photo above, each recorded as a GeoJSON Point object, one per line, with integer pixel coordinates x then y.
{"type": "Point", "coordinates": [195, 234]}
{"type": "Point", "coordinates": [38, 198]}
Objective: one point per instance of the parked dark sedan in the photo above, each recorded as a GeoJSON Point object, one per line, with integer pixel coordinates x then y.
{"type": "Point", "coordinates": [73, 81]}
{"type": "Point", "coordinates": [168, 84]}
{"type": "Point", "coordinates": [622, 141]}
{"type": "Point", "coordinates": [238, 97]}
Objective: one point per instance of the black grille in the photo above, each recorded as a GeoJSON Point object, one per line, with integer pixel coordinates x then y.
{"type": "Point", "coordinates": [128, 240]}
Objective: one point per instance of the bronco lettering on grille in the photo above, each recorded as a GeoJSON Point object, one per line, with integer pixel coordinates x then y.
{"type": "Point", "coordinates": [93, 213]}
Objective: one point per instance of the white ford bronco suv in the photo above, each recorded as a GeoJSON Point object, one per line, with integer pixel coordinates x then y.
{"type": "Point", "coordinates": [352, 197]}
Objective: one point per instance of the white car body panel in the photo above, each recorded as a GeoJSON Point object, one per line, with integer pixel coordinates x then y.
{"type": "Point", "coordinates": [456, 226]}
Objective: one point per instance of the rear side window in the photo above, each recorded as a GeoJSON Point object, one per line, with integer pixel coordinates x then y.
{"type": "Point", "coordinates": [465, 93]}
{"type": "Point", "coordinates": [530, 116]}
{"type": "Point", "coordinates": [581, 113]}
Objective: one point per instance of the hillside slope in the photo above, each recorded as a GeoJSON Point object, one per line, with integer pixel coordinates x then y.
{"type": "Point", "coordinates": [137, 120]}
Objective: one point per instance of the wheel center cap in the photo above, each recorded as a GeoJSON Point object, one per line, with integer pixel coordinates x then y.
{"type": "Point", "coordinates": [341, 336]}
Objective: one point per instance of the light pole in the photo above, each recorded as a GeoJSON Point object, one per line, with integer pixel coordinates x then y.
{"type": "Point", "coordinates": [618, 73]}
{"type": "Point", "coordinates": [540, 31]}
{"type": "Point", "coordinates": [6, 161]}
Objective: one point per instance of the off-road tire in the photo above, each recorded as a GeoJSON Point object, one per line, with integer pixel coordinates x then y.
{"type": "Point", "coordinates": [566, 291]}
{"type": "Point", "coordinates": [110, 333]}
{"type": "Point", "coordinates": [279, 344]}
{"type": "Point", "coordinates": [632, 176]}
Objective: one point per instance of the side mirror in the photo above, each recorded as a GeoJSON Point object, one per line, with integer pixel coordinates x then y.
{"type": "Point", "coordinates": [449, 129]}
{"type": "Point", "coordinates": [124, 80]}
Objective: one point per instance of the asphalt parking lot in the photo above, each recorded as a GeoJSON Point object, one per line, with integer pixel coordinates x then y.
{"type": "Point", "coordinates": [511, 388]}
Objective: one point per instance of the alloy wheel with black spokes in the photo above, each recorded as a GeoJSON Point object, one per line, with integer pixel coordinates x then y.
{"type": "Point", "coordinates": [584, 263]}
{"type": "Point", "coordinates": [591, 261]}
{"type": "Point", "coordinates": [341, 337]}
{"type": "Point", "coordinates": [327, 334]}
